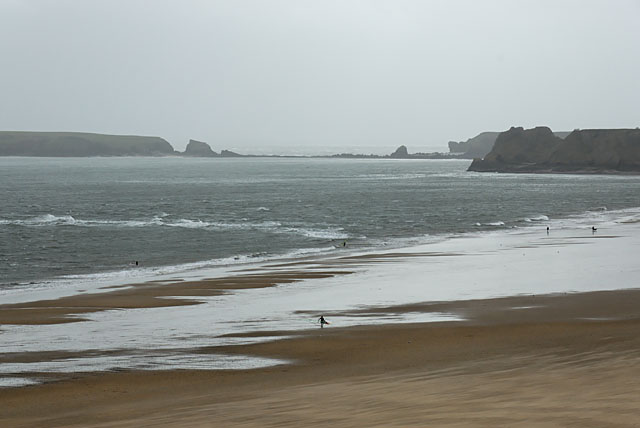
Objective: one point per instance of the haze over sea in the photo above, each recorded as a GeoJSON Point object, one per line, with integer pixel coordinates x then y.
{"type": "Point", "coordinates": [69, 220]}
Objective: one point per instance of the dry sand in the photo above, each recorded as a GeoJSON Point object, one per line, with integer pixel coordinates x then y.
{"type": "Point", "coordinates": [547, 361]}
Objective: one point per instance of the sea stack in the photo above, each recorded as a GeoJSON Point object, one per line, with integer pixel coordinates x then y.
{"type": "Point", "coordinates": [199, 149]}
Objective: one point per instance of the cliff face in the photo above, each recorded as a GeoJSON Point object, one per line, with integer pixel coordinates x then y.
{"type": "Point", "coordinates": [519, 146]}
{"type": "Point", "coordinates": [614, 149]}
{"type": "Point", "coordinates": [77, 144]}
{"type": "Point", "coordinates": [481, 145]}
{"type": "Point", "coordinates": [582, 151]}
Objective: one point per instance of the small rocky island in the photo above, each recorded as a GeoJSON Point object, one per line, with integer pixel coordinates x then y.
{"type": "Point", "coordinates": [587, 151]}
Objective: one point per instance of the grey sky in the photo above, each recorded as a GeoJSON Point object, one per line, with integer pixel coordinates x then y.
{"type": "Point", "coordinates": [254, 75]}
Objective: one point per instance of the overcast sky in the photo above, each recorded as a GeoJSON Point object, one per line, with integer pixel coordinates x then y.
{"type": "Point", "coordinates": [293, 74]}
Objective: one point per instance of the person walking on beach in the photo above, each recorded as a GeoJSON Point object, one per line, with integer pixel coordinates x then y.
{"type": "Point", "coordinates": [322, 321]}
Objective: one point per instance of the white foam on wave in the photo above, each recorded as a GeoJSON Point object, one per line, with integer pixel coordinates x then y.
{"type": "Point", "coordinates": [330, 233]}
{"type": "Point", "coordinates": [48, 220]}
{"type": "Point", "coordinates": [42, 220]}
{"type": "Point", "coordinates": [537, 218]}
{"type": "Point", "coordinates": [493, 223]}
{"type": "Point", "coordinates": [186, 223]}
{"type": "Point", "coordinates": [189, 224]}
{"type": "Point", "coordinates": [602, 216]}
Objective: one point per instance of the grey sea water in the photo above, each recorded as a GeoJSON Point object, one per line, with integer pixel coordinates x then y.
{"type": "Point", "coordinates": [65, 217]}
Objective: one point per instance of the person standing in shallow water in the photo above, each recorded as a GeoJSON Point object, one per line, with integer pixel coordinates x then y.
{"type": "Point", "coordinates": [322, 321]}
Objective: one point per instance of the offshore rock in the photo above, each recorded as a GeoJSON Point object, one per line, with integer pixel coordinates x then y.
{"type": "Point", "coordinates": [400, 153]}
{"type": "Point", "coordinates": [199, 149]}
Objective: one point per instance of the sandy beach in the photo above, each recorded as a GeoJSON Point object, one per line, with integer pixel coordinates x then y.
{"type": "Point", "coordinates": [560, 360]}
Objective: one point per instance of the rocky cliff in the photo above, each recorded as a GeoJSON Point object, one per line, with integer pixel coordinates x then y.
{"type": "Point", "coordinates": [582, 151]}
{"type": "Point", "coordinates": [77, 144]}
{"type": "Point", "coordinates": [480, 145]}
{"type": "Point", "coordinates": [199, 149]}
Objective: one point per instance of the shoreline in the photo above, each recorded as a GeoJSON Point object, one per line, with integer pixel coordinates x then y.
{"type": "Point", "coordinates": [354, 289]}
{"type": "Point", "coordinates": [70, 284]}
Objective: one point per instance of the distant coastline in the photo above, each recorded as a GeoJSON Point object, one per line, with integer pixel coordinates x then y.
{"type": "Point", "coordinates": [537, 150]}
{"type": "Point", "coordinates": [78, 144]}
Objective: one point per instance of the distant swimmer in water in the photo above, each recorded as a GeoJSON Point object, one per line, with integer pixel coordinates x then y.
{"type": "Point", "coordinates": [322, 321]}
{"type": "Point", "coordinates": [136, 263]}
{"type": "Point", "coordinates": [547, 230]}
{"type": "Point", "coordinates": [593, 229]}
{"type": "Point", "coordinates": [344, 244]}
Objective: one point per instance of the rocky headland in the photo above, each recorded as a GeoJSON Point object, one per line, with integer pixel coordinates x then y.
{"type": "Point", "coordinates": [480, 145]}
{"type": "Point", "coordinates": [78, 144]}
{"type": "Point", "coordinates": [538, 150]}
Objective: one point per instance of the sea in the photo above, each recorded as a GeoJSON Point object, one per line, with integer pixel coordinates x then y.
{"type": "Point", "coordinates": [70, 220]}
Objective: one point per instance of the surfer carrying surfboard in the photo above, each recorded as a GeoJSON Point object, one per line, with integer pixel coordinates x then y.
{"type": "Point", "coordinates": [322, 321]}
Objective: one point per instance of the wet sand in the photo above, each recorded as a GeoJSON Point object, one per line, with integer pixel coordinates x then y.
{"type": "Point", "coordinates": [154, 294]}
{"type": "Point", "coordinates": [561, 360]}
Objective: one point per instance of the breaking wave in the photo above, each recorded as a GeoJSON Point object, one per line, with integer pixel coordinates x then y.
{"type": "Point", "coordinates": [493, 223]}
{"type": "Point", "coordinates": [134, 273]}
{"type": "Point", "coordinates": [50, 220]}
{"type": "Point", "coordinates": [537, 218]}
